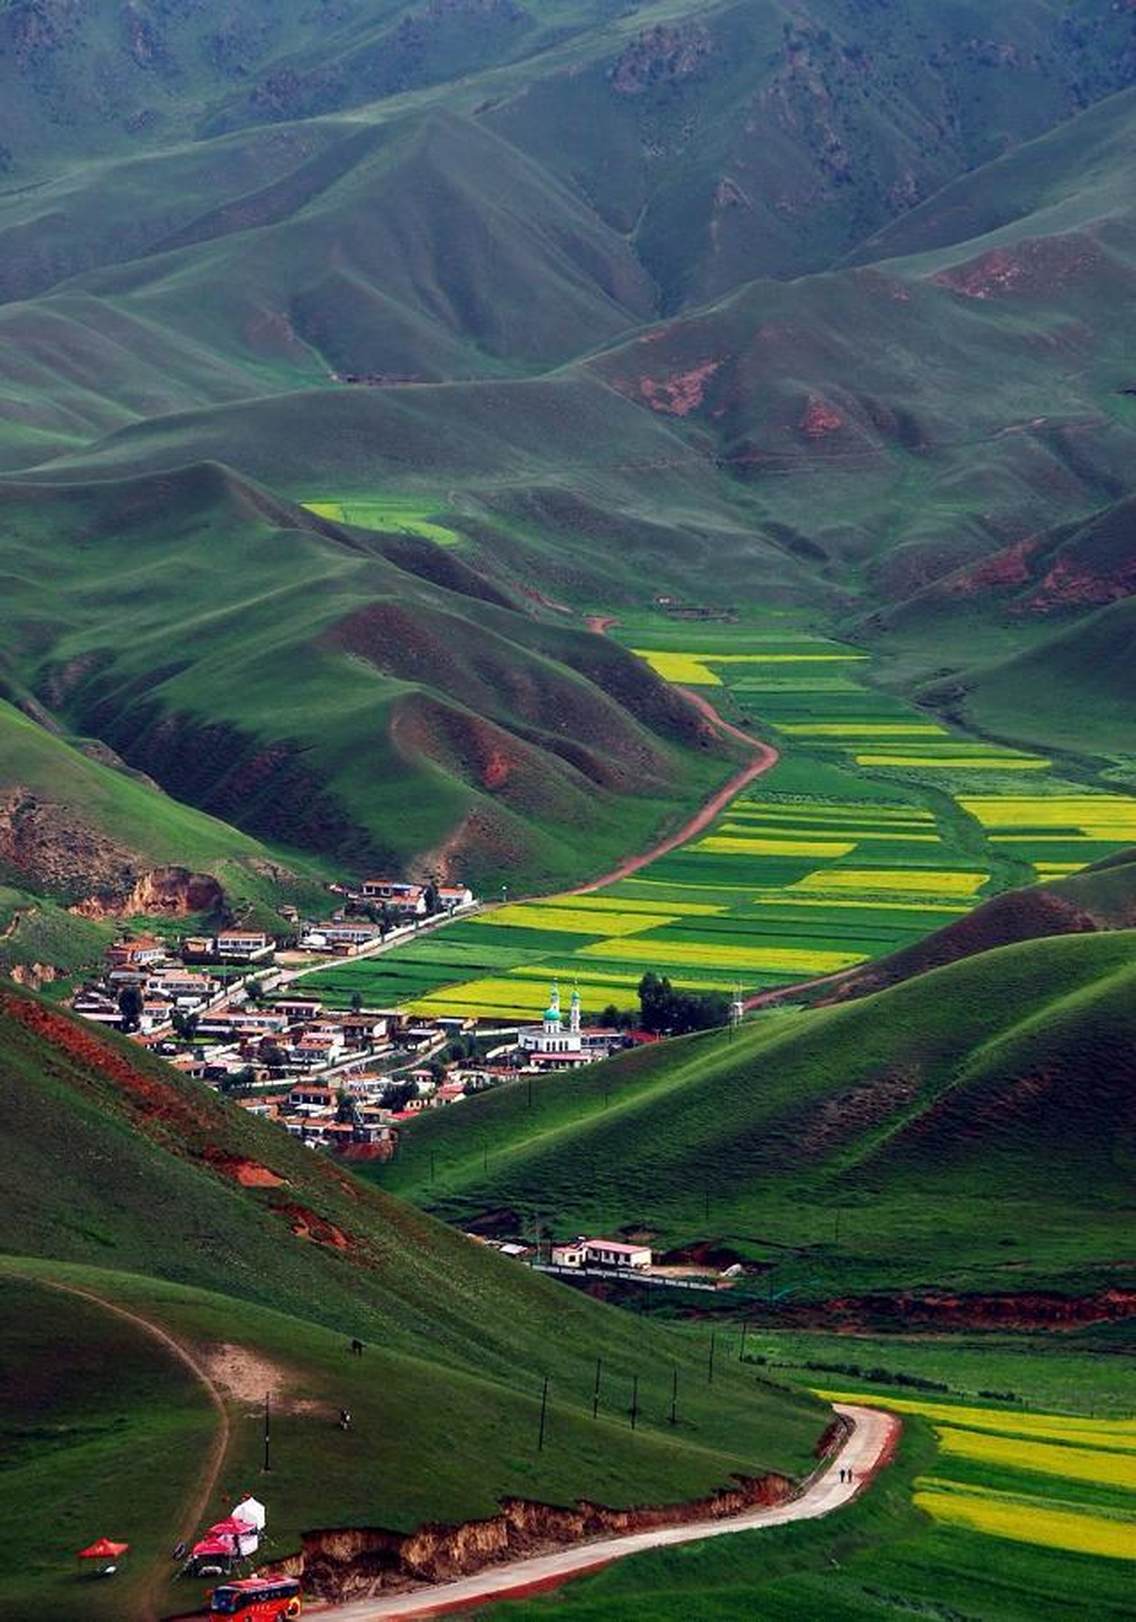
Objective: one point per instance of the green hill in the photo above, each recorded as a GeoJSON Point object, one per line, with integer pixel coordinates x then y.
{"type": "Point", "coordinates": [1102, 897]}
{"type": "Point", "coordinates": [312, 683]}
{"type": "Point", "coordinates": [859, 1146]}
{"type": "Point", "coordinates": [261, 1259]}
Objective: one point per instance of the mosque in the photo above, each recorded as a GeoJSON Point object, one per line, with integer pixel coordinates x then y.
{"type": "Point", "coordinates": [550, 1046]}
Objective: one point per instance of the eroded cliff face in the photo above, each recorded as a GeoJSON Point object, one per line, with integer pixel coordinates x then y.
{"type": "Point", "coordinates": [172, 892]}
{"type": "Point", "coordinates": [355, 1562]}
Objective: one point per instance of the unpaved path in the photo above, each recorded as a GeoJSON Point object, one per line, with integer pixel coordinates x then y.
{"type": "Point", "coordinates": [867, 1450]}
{"type": "Point", "coordinates": [195, 1510]}
{"type": "Point", "coordinates": [765, 758]}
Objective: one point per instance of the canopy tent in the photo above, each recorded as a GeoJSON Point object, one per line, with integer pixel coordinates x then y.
{"type": "Point", "coordinates": [252, 1512]}
{"type": "Point", "coordinates": [225, 1547]}
{"type": "Point", "coordinates": [103, 1549]}
{"type": "Point", "coordinates": [242, 1537]}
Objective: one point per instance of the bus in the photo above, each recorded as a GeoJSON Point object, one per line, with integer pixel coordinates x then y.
{"type": "Point", "coordinates": [258, 1599]}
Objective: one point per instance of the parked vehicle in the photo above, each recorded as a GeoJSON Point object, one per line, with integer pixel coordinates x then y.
{"type": "Point", "coordinates": [258, 1599]}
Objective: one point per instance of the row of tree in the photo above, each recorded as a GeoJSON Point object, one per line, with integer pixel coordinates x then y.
{"type": "Point", "coordinates": [667, 1012]}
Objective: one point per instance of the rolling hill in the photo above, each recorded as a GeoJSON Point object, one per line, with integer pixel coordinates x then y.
{"type": "Point", "coordinates": [822, 306]}
{"type": "Point", "coordinates": [851, 1147]}
{"type": "Point", "coordinates": [320, 681]}
{"type": "Point", "coordinates": [261, 1260]}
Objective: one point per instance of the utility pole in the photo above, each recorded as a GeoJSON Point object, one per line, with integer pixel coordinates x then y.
{"type": "Point", "coordinates": [431, 1165]}
{"type": "Point", "coordinates": [742, 1352]}
{"type": "Point", "coordinates": [710, 1359]}
{"type": "Point", "coordinates": [267, 1432]}
{"type": "Point", "coordinates": [596, 1388]}
{"type": "Point", "coordinates": [634, 1399]}
{"type": "Point", "coordinates": [543, 1411]}
{"type": "Point", "coordinates": [674, 1395]}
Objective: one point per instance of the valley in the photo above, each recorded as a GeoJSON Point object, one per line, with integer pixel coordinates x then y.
{"type": "Point", "coordinates": [568, 807]}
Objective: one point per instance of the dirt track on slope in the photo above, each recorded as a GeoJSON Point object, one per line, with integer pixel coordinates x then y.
{"type": "Point", "coordinates": [765, 758]}
{"type": "Point", "coordinates": [215, 1457]}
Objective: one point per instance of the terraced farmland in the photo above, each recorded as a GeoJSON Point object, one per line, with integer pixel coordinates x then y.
{"type": "Point", "coordinates": [877, 826]}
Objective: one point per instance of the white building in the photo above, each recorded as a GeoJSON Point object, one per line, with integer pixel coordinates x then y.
{"type": "Point", "coordinates": [614, 1253]}
{"type": "Point", "coordinates": [551, 1046]}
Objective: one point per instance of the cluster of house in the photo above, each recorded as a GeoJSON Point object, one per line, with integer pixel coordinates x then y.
{"type": "Point", "coordinates": [380, 908]}
{"type": "Point", "coordinates": [355, 1117]}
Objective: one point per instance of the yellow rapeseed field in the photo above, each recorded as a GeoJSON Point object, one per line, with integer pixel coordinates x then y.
{"type": "Point", "coordinates": [693, 669]}
{"type": "Point", "coordinates": [574, 920]}
{"type": "Point", "coordinates": [1003, 1515]}
{"type": "Point", "coordinates": [733, 845]}
{"type": "Point", "coordinates": [690, 954]}
{"type": "Point", "coordinates": [1094, 816]}
{"type": "Point", "coordinates": [1001, 763]}
{"type": "Point", "coordinates": [1115, 1469]}
{"type": "Point", "coordinates": [900, 881]}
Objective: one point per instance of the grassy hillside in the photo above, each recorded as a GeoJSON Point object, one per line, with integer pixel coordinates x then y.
{"type": "Point", "coordinates": [313, 683]}
{"type": "Point", "coordinates": [857, 1146]}
{"type": "Point", "coordinates": [162, 1176]}
{"type": "Point", "coordinates": [1101, 897]}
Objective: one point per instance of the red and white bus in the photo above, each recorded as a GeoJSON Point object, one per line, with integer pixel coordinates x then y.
{"type": "Point", "coordinates": [258, 1599]}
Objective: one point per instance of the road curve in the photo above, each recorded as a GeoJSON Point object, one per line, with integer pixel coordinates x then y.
{"type": "Point", "coordinates": [764, 759]}
{"type": "Point", "coordinates": [869, 1447]}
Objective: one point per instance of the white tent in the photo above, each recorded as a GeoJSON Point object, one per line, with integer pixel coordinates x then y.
{"type": "Point", "coordinates": [252, 1512]}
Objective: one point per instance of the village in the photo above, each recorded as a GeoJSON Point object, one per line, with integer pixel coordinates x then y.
{"type": "Point", "coordinates": [230, 1010]}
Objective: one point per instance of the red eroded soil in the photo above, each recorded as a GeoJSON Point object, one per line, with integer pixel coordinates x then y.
{"type": "Point", "coordinates": [306, 1224]}
{"type": "Point", "coordinates": [156, 1099]}
{"type": "Point", "coordinates": [249, 1173]}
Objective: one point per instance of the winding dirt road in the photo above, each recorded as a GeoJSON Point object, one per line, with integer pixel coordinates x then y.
{"type": "Point", "coordinates": [868, 1449]}
{"type": "Point", "coordinates": [765, 758]}
{"type": "Point", "coordinates": [215, 1457]}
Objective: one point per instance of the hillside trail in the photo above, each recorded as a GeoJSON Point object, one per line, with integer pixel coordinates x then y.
{"type": "Point", "coordinates": [215, 1458]}
{"type": "Point", "coordinates": [765, 758]}
{"type": "Point", "coordinates": [869, 1447]}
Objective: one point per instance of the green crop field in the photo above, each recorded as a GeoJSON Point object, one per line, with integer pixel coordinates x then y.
{"type": "Point", "coordinates": [873, 830]}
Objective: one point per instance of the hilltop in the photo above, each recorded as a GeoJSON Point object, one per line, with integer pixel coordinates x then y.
{"type": "Point", "coordinates": [262, 1259]}
{"type": "Point", "coordinates": [861, 1146]}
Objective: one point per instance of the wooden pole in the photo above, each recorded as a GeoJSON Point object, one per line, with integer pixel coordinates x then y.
{"type": "Point", "coordinates": [634, 1399]}
{"type": "Point", "coordinates": [674, 1395]}
{"type": "Point", "coordinates": [267, 1433]}
{"type": "Point", "coordinates": [596, 1388]}
{"type": "Point", "coordinates": [710, 1360]}
{"type": "Point", "coordinates": [543, 1412]}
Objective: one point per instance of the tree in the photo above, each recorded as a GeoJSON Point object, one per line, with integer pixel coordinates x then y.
{"type": "Point", "coordinates": [273, 1055]}
{"type": "Point", "coordinates": [356, 1001]}
{"type": "Point", "coordinates": [347, 1109]}
{"type": "Point", "coordinates": [663, 1009]}
{"type": "Point", "coordinates": [430, 897]}
{"type": "Point", "coordinates": [130, 1007]}
{"type": "Point", "coordinates": [185, 1024]}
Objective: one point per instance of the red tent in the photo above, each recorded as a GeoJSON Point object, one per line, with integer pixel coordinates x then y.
{"type": "Point", "coordinates": [211, 1545]}
{"type": "Point", "coordinates": [229, 1528]}
{"type": "Point", "coordinates": [103, 1549]}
